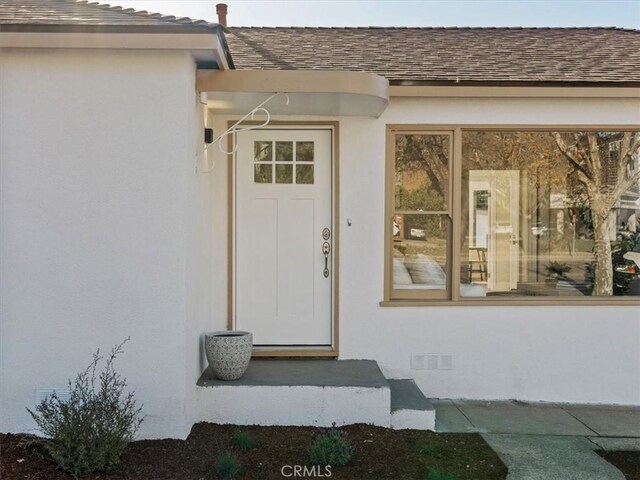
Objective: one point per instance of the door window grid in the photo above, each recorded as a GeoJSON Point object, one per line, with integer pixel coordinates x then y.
{"type": "Point", "coordinates": [293, 162]}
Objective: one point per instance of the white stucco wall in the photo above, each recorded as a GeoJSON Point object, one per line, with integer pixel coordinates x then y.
{"type": "Point", "coordinates": [104, 232]}
{"type": "Point", "coordinates": [569, 354]}
{"type": "Point", "coordinates": [199, 271]}
{"type": "Point", "coordinates": [108, 232]}
{"type": "Point", "coordinates": [565, 354]}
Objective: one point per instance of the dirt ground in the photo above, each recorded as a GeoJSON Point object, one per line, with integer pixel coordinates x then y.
{"type": "Point", "coordinates": [379, 453]}
{"type": "Point", "coordinates": [627, 462]}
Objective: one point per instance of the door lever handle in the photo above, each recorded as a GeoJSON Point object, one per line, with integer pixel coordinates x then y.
{"type": "Point", "coordinates": [326, 248]}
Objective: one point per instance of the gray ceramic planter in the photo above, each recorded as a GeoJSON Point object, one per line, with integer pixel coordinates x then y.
{"type": "Point", "coordinates": [228, 353]}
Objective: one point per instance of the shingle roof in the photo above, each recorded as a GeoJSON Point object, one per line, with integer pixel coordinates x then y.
{"type": "Point", "coordinates": [22, 14]}
{"type": "Point", "coordinates": [445, 55]}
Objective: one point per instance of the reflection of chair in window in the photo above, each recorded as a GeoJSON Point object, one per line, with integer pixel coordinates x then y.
{"type": "Point", "coordinates": [479, 264]}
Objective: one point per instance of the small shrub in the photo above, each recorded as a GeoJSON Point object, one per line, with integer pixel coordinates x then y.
{"type": "Point", "coordinates": [330, 446]}
{"type": "Point", "coordinates": [439, 475]}
{"type": "Point", "coordinates": [227, 466]}
{"type": "Point", "coordinates": [245, 440]}
{"type": "Point", "coordinates": [428, 450]}
{"type": "Point", "coordinates": [89, 432]}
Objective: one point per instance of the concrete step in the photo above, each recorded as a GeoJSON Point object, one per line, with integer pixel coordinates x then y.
{"type": "Point", "coordinates": [297, 392]}
{"type": "Point", "coordinates": [409, 407]}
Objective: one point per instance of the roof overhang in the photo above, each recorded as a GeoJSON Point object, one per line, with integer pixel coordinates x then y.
{"type": "Point", "coordinates": [311, 92]}
{"type": "Point", "coordinates": [207, 46]}
{"type": "Point", "coordinates": [518, 91]}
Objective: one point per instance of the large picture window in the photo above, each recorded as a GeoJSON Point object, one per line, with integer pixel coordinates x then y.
{"type": "Point", "coordinates": [513, 214]}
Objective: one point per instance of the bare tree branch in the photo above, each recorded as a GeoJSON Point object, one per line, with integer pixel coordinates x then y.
{"type": "Point", "coordinates": [628, 147]}
{"type": "Point", "coordinates": [596, 161]}
{"type": "Point", "coordinates": [571, 156]}
{"type": "Point", "coordinates": [629, 144]}
{"type": "Point", "coordinates": [623, 187]}
{"type": "Point", "coordinates": [621, 165]}
{"type": "Point", "coordinates": [421, 154]}
{"type": "Point", "coordinates": [583, 156]}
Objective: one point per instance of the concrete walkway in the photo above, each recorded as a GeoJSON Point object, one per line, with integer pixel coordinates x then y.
{"type": "Point", "coordinates": [546, 441]}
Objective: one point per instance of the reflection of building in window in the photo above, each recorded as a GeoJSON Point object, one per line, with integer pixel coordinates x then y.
{"type": "Point", "coordinates": [573, 193]}
{"type": "Point", "coordinates": [539, 213]}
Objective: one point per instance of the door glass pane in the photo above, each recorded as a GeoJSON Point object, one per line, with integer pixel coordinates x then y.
{"type": "Point", "coordinates": [304, 174]}
{"type": "Point", "coordinates": [262, 151]}
{"type": "Point", "coordinates": [420, 246]}
{"type": "Point", "coordinates": [284, 173]}
{"type": "Point", "coordinates": [422, 172]}
{"type": "Point", "coordinates": [284, 151]}
{"type": "Point", "coordinates": [262, 173]}
{"type": "Point", "coordinates": [304, 151]}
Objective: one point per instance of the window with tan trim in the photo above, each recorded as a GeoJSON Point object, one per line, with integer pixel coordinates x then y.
{"type": "Point", "coordinates": [421, 218]}
{"type": "Point", "coordinates": [504, 213]}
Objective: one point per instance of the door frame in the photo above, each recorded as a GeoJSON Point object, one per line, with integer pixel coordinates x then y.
{"type": "Point", "coordinates": [334, 127]}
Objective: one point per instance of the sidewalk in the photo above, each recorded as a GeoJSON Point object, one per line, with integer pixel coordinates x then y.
{"type": "Point", "coordinates": [546, 441]}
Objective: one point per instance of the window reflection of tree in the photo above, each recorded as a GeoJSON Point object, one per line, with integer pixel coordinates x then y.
{"type": "Point", "coordinates": [591, 171]}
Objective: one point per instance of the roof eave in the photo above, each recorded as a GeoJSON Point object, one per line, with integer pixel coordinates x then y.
{"type": "Point", "coordinates": [193, 37]}
{"type": "Point", "coordinates": [514, 83]}
{"type": "Point", "coordinates": [204, 28]}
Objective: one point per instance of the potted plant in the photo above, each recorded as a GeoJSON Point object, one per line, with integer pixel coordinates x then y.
{"type": "Point", "coordinates": [557, 271]}
{"type": "Point", "coordinates": [228, 353]}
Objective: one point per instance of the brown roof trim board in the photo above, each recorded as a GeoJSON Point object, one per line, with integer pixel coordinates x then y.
{"type": "Point", "coordinates": [449, 56]}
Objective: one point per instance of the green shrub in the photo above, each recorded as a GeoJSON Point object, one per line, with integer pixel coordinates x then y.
{"type": "Point", "coordinates": [245, 440]}
{"type": "Point", "coordinates": [227, 466]}
{"type": "Point", "coordinates": [90, 431]}
{"type": "Point", "coordinates": [438, 475]}
{"type": "Point", "coordinates": [330, 446]}
{"type": "Point", "coordinates": [428, 450]}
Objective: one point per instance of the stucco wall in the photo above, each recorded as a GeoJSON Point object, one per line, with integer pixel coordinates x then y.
{"type": "Point", "coordinates": [100, 206]}
{"type": "Point", "coordinates": [199, 269]}
{"type": "Point", "coordinates": [108, 232]}
{"type": "Point", "coordinates": [570, 354]}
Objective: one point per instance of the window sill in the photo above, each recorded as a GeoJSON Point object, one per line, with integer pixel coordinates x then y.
{"type": "Point", "coordinates": [515, 302]}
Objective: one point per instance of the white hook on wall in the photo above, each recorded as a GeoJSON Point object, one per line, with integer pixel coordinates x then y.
{"type": "Point", "coordinates": [236, 128]}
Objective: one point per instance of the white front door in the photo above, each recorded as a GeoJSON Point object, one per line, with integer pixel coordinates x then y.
{"type": "Point", "coordinates": [284, 236]}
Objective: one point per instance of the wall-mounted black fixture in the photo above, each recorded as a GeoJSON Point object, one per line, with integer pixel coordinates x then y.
{"type": "Point", "coordinates": [208, 135]}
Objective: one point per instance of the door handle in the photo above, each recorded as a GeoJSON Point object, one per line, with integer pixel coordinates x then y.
{"type": "Point", "coordinates": [326, 249]}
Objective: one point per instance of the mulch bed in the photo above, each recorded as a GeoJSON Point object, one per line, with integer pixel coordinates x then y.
{"type": "Point", "coordinates": [379, 453]}
{"type": "Point", "coordinates": [627, 462]}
